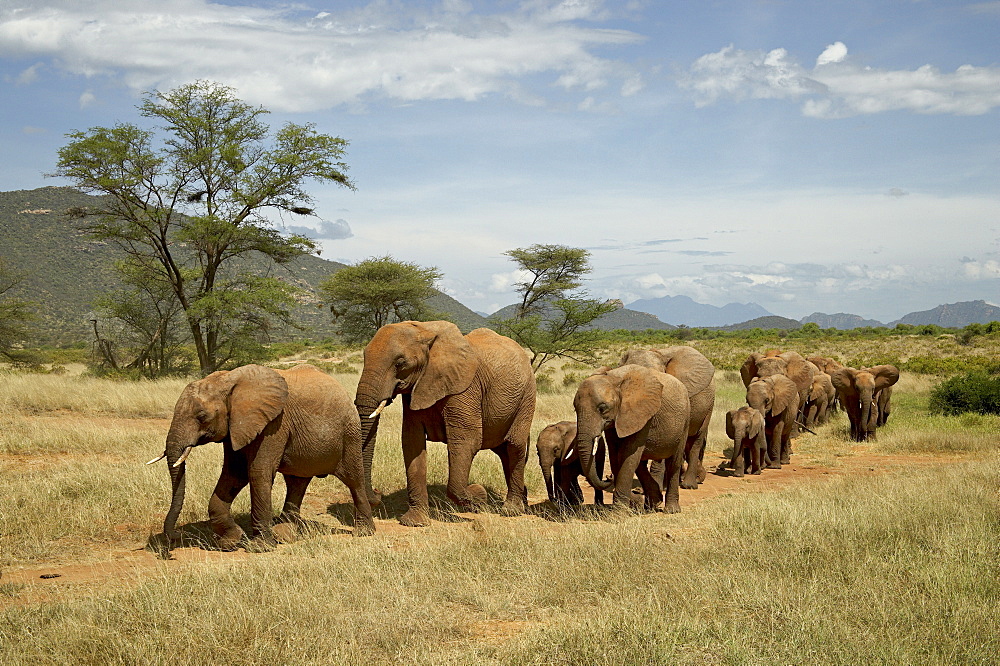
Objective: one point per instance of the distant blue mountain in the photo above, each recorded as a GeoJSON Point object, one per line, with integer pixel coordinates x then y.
{"type": "Point", "coordinates": [841, 320]}
{"type": "Point", "coordinates": [682, 310]}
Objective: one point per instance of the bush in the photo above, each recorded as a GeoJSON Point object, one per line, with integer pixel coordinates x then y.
{"type": "Point", "coordinates": [975, 392]}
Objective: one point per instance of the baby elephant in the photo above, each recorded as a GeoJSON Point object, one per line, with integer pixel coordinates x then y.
{"type": "Point", "coordinates": [556, 450]}
{"type": "Point", "coordinates": [745, 426]}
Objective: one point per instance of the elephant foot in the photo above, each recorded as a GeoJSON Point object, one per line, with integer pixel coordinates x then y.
{"type": "Point", "coordinates": [374, 498]}
{"type": "Point", "coordinates": [230, 540]}
{"type": "Point", "coordinates": [774, 465]}
{"type": "Point", "coordinates": [672, 507]}
{"type": "Point", "coordinates": [511, 509]}
{"type": "Point", "coordinates": [476, 494]}
{"type": "Point", "coordinates": [363, 527]}
{"type": "Point", "coordinates": [286, 532]}
{"type": "Point", "coordinates": [689, 484]}
{"type": "Point", "coordinates": [736, 474]}
{"type": "Point", "coordinates": [756, 471]}
{"type": "Point", "coordinates": [786, 460]}
{"type": "Point", "coordinates": [415, 518]}
{"type": "Point", "coordinates": [261, 544]}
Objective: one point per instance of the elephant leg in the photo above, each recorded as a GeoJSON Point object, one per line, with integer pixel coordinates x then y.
{"type": "Point", "coordinates": [692, 455]}
{"type": "Point", "coordinates": [672, 479]}
{"type": "Point", "coordinates": [657, 468]}
{"type": "Point", "coordinates": [739, 460]}
{"type": "Point", "coordinates": [783, 434]}
{"type": "Point", "coordinates": [702, 441]}
{"type": "Point", "coordinates": [754, 454]}
{"type": "Point", "coordinates": [231, 481]}
{"type": "Point", "coordinates": [774, 448]}
{"type": "Point", "coordinates": [512, 458]}
{"type": "Point", "coordinates": [415, 460]}
{"type": "Point", "coordinates": [295, 491]}
{"type": "Point", "coordinates": [628, 460]}
{"type": "Point", "coordinates": [262, 472]}
{"type": "Point", "coordinates": [289, 520]}
{"type": "Point", "coordinates": [651, 490]}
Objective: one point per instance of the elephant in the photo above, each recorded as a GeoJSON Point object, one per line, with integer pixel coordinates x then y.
{"type": "Point", "coordinates": [775, 397]}
{"type": "Point", "coordinates": [818, 399]}
{"type": "Point", "coordinates": [555, 447]}
{"type": "Point", "coordinates": [698, 376]}
{"type": "Point", "coordinates": [859, 392]}
{"type": "Point", "coordinates": [472, 392]}
{"type": "Point", "coordinates": [745, 426]}
{"type": "Point", "coordinates": [299, 422]}
{"type": "Point", "coordinates": [884, 403]}
{"type": "Point", "coordinates": [791, 364]}
{"type": "Point", "coordinates": [644, 415]}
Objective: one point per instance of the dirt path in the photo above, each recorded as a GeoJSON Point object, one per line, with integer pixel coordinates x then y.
{"type": "Point", "coordinates": [130, 566]}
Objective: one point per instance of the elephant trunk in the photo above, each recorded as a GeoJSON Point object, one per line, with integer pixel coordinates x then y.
{"type": "Point", "coordinates": [549, 483]}
{"type": "Point", "coordinates": [739, 434]}
{"type": "Point", "coordinates": [585, 449]}
{"type": "Point", "coordinates": [370, 402]}
{"type": "Point", "coordinates": [177, 449]}
{"type": "Point", "coordinates": [868, 415]}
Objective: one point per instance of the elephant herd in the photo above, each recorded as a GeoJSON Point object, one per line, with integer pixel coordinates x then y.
{"type": "Point", "coordinates": [650, 416]}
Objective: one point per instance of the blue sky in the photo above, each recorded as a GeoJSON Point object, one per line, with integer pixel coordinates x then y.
{"type": "Point", "coordinates": [806, 156]}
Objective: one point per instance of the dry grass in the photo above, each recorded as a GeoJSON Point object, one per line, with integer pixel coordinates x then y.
{"type": "Point", "coordinates": [875, 568]}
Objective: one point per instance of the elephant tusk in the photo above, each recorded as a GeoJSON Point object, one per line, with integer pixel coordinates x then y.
{"type": "Point", "coordinates": [803, 426]}
{"type": "Point", "coordinates": [569, 450]}
{"type": "Point", "coordinates": [183, 457]}
{"type": "Point", "coordinates": [378, 410]}
{"type": "Point", "coordinates": [162, 456]}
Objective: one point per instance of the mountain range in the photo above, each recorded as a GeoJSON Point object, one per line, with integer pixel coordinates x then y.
{"type": "Point", "coordinates": [65, 270]}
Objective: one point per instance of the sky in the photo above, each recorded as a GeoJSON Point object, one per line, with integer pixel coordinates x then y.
{"type": "Point", "coordinates": [806, 156]}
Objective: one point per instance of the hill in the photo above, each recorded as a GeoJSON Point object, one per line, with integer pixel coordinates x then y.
{"type": "Point", "coordinates": [621, 319]}
{"type": "Point", "coordinates": [684, 310]}
{"type": "Point", "coordinates": [841, 320]}
{"type": "Point", "coordinates": [953, 315]}
{"type": "Point", "coordinates": [771, 321]}
{"type": "Point", "coordinates": [66, 270]}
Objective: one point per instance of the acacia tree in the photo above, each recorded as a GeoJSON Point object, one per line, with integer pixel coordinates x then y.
{"type": "Point", "coordinates": [552, 320]}
{"type": "Point", "coordinates": [378, 291]}
{"type": "Point", "coordinates": [187, 203]}
{"type": "Point", "coordinates": [15, 313]}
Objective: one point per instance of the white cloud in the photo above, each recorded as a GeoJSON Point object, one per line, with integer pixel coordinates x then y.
{"type": "Point", "coordinates": [835, 52]}
{"type": "Point", "coordinates": [504, 282]}
{"type": "Point", "coordinates": [289, 61]}
{"type": "Point", "coordinates": [86, 99]}
{"type": "Point", "coordinates": [837, 87]}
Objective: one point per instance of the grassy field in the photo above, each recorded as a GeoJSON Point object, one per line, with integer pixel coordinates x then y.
{"type": "Point", "coordinates": [886, 553]}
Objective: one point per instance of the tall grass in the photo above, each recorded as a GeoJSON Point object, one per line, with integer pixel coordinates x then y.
{"type": "Point", "coordinates": [892, 569]}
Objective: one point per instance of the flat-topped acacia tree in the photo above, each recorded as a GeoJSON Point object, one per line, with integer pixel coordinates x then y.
{"type": "Point", "coordinates": [187, 199]}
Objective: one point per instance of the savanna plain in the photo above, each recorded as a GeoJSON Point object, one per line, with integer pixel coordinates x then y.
{"type": "Point", "coordinates": [882, 552]}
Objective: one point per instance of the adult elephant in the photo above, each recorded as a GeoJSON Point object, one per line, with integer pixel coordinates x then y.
{"type": "Point", "coordinates": [471, 392]}
{"type": "Point", "coordinates": [560, 463]}
{"type": "Point", "coordinates": [790, 364]}
{"type": "Point", "coordinates": [698, 376]}
{"type": "Point", "coordinates": [299, 422]}
{"type": "Point", "coordinates": [776, 398]}
{"type": "Point", "coordinates": [643, 415]}
{"type": "Point", "coordinates": [859, 391]}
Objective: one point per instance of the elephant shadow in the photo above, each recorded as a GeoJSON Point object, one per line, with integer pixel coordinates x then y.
{"type": "Point", "coordinates": [396, 504]}
{"type": "Point", "coordinates": [200, 535]}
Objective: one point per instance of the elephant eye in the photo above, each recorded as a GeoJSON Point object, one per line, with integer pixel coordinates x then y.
{"type": "Point", "coordinates": [602, 408]}
{"type": "Point", "coordinates": [201, 415]}
{"type": "Point", "coordinates": [400, 363]}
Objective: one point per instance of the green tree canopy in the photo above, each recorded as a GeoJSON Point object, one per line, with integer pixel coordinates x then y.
{"type": "Point", "coordinates": [553, 317]}
{"type": "Point", "coordinates": [187, 205]}
{"type": "Point", "coordinates": [378, 291]}
{"type": "Point", "coordinates": [15, 314]}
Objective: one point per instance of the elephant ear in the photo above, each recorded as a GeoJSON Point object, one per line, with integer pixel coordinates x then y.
{"type": "Point", "coordinates": [885, 376]}
{"type": "Point", "coordinates": [258, 396]}
{"type": "Point", "coordinates": [749, 368]}
{"type": "Point", "coordinates": [451, 363]}
{"type": "Point", "coordinates": [641, 394]}
{"type": "Point", "coordinates": [786, 394]}
{"type": "Point", "coordinates": [843, 381]}
{"type": "Point", "coordinates": [730, 426]}
{"type": "Point", "coordinates": [757, 427]}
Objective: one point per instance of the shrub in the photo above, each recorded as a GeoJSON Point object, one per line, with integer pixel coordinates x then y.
{"type": "Point", "coordinates": [975, 392]}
